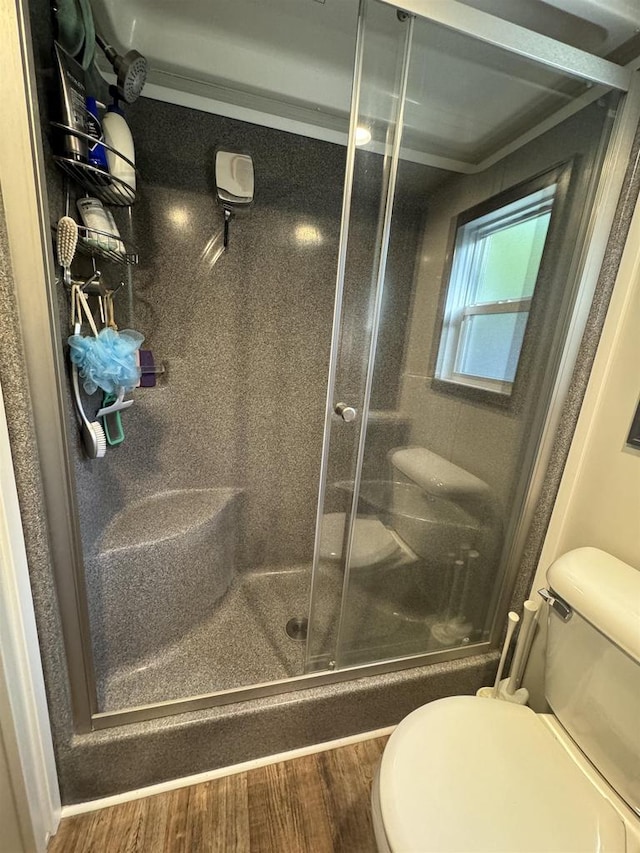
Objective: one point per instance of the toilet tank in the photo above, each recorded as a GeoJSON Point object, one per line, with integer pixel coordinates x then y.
{"type": "Point", "coordinates": [592, 675]}
{"type": "Point", "coordinates": [437, 476]}
{"type": "Point", "coordinates": [429, 511]}
{"type": "Point", "coordinates": [438, 508]}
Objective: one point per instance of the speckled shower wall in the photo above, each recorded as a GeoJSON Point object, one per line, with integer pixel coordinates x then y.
{"type": "Point", "coordinates": [245, 342]}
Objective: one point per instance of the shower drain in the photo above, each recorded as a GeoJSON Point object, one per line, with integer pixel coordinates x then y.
{"type": "Point", "coordinates": [296, 628]}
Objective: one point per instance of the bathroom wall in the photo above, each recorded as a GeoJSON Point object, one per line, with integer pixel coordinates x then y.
{"type": "Point", "coordinates": [603, 508]}
{"type": "Point", "coordinates": [9, 821]}
{"type": "Point", "coordinates": [245, 342]}
{"type": "Point", "coordinates": [486, 438]}
{"type": "Point", "coordinates": [599, 501]}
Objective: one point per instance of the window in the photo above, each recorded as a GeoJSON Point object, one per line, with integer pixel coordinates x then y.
{"type": "Point", "coordinates": [496, 261]}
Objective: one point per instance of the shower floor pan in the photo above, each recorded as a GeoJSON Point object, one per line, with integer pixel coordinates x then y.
{"type": "Point", "coordinates": [243, 642]}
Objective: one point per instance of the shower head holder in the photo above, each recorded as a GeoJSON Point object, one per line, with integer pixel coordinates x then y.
{"type": "Point", "coordinates": [234, 184]}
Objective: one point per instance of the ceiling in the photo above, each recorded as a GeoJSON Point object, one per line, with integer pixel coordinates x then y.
{"type": "Point", "coordinates": [289, 64]}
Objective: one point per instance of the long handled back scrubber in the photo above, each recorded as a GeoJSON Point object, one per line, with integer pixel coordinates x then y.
{"type": "Point", "coordinates": [93, 437]}
{"type": "Point", "coordinates": [508, 689]}
{"type": "Point", "coordinates": [495, 692]}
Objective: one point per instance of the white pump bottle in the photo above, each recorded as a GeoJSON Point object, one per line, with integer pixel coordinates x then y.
{"type": "Point", "coordinates": [117, 135]}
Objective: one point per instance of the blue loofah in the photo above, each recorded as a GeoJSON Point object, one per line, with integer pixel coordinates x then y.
{"type": "Point", "coordinates": [108, 361]}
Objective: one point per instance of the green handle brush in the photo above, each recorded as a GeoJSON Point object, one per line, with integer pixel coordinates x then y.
{"type": "Point", "coordinates": [112, 422]}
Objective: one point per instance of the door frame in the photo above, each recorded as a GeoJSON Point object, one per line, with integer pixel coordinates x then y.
{"type": "Point", "coordinates": [24, 716]}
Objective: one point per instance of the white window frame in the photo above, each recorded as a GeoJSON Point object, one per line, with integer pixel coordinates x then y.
{"type": "Point", "coordinates": [468, 259]}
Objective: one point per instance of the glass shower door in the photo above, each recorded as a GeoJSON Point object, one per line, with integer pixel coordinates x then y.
{"type": "Point", "coordinates": [472, 173]}
{"type": "Point", "coordinates": [380, 69]}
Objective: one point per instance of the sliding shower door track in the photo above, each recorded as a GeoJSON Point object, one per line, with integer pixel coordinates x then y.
{"type": "Point", "coordinates": [140, 713]}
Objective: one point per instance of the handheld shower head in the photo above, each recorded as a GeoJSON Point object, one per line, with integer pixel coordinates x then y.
{"type": "Point", "coordinates": [131, 70]}
{"type": "Point", "coordinates": [132, 74]}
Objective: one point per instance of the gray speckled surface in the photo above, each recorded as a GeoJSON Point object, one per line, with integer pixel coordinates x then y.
{"type": "Point", "coordinates": [242, 641]}
{"type": "Point", "coordinates": [126, 757]}
{"type": "Point", "coordinates": [161, 566]}
{"type": "Point", "coordinates": [245, 343]}
{"type": "Point", "coordinates": [15, 390]}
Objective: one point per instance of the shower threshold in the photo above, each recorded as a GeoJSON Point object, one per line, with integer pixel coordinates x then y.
{"type": "Point", "coordinates": [243, 642]}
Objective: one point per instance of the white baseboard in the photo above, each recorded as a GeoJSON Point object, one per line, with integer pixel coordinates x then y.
{"type": "Point", "coordinates": [197, 778]}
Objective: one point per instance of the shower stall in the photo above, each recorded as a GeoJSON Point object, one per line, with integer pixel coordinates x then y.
{"type": "Point", "coordinates": [336, 472]}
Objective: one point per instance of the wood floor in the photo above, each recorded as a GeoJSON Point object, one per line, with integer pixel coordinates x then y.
{"type": "Point", "coordinates": [318, 803]}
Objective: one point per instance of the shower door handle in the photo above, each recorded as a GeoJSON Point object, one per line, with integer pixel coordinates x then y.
{"type": "Point", "coordinates": [347, 413]}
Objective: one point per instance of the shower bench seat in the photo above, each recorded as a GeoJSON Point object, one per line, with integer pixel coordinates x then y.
{"type": "Point", "coordinates": [162, 564]}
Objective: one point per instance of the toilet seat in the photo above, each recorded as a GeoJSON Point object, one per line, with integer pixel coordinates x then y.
{"type": "Point", "coordinates": [373, 543]}
{"type": "Point", "coordinates": [508, 785]}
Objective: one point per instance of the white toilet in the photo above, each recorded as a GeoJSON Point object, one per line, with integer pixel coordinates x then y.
{"type": "Point", "coordinates": [428, 503]}
{"type": "Point", "coordinates": [373, 543]}
{"type": "Point", "coordinates": [470, 774]}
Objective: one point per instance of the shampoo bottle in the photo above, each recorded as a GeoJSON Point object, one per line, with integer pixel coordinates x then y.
{"type": "Point", "coordinates": [72, 92]}
{"type": "Point", "coordinates": [118, 136]}
{"type": "Point", "coordinates": [96, 154]}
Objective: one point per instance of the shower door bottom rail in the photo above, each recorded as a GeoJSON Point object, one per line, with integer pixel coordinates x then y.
{"type": "Point", "coordinates": [140, 713]}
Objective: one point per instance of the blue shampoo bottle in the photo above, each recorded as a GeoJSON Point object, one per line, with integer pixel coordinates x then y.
{"type": "Point", "coordinates": [97, 154]}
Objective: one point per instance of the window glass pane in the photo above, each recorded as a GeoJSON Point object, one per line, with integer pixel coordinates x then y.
{"type": "Point", "coordinates": [510, 260]}
{"type": "Point", "coordinates": [492, 344]}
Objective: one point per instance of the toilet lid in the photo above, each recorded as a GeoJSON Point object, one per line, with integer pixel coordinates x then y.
{"type": "Point", "coordinates": [471, 774]}
{"type": "Point", "coordinates": [372, 541]}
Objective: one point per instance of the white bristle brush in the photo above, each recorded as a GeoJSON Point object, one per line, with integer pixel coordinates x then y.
{"type": "Point", "coordinates": [66, 243]}
{"type": "Point", "coordinates": [93, 435]}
